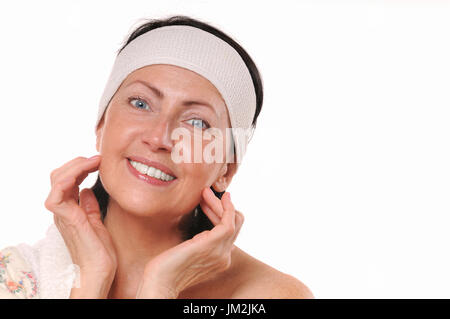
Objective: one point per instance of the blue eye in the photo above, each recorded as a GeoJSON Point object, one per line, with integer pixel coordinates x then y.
{"type": "Point", "coordinates": [201, 124]}
{"type": "Point", "coordinates": [141, 104]}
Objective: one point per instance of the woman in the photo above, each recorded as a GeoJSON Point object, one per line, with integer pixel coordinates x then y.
{"type": "Point", "coordinates": [155, 226]}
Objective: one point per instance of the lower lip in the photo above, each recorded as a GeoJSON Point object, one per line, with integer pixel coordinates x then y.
{"type": "Point", "coordinates": [146, 178]}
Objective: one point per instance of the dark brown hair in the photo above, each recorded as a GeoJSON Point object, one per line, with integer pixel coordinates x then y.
{"type": "Point", "coordinates": [193, 223]}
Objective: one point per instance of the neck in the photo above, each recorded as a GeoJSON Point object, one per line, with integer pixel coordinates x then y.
{"type": "Point", "coordinates": [137, 240]}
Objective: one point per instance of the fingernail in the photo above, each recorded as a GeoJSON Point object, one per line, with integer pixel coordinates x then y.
{"type": "Point", "coordinates": [93, 157]}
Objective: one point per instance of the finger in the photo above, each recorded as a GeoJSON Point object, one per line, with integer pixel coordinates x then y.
{"type": "Point", "coordinates": [229, 212]}
{"type": "Point", "coordinates": [79, 170]}
{"type": "Point", "coordinates": [63, 186]}
{"type": "Point", "coordinates": [62, 172]}
{"type": "Point", "coordinates": [212, 201]}
{"type": "Point", "coordinates": [56, 198]}
{"type": "Point", "coordinates": [89, 203]}
{"type": "Point", "coordinates": [57, 172]}
{"type": "Point", "coordinates": [239, 222]}
{"type": "Point", "coordinates": [83, 169]}
{"type": "Point", "coordinates": [212, 216]}
{"type": "Point", "coordinates": [226, 228]}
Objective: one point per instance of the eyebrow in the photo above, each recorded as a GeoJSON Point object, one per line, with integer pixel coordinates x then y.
{"type": "Point", "coordinates": [161, 95]}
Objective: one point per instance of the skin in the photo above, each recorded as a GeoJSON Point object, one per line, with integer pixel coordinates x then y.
{"type": "Point", "coordinates": [138, 252]}
{"type": "Point", "coordinates": [142, 219]}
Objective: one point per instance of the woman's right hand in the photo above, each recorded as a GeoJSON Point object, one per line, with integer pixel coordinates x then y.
{"type": "Point", "coordinates": [77, 216]}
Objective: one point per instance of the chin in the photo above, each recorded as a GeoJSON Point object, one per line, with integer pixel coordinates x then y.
{"type": "Point", "coordinates": [138, 204]}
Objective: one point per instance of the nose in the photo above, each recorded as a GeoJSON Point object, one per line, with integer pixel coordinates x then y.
{"type": "Point", "coordinates": [157, 135]}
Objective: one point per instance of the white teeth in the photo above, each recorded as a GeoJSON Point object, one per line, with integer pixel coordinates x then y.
{"type": "Point", "coordinates": [151, 171]}
{"type": "Point", "coordinates": [142, 168]}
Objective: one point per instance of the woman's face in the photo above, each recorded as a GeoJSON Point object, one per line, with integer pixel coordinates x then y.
{"type": "Point", "coordinates": [138, 124]}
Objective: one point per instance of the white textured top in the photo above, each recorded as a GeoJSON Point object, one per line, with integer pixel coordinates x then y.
{"type": "Point", "coordinates": [202, 52]}
{"type": "Point", "coordinates": [43, 270]}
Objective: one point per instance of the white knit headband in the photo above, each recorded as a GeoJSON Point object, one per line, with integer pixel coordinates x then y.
{"type": "Point", "coordinates": [202, 52]}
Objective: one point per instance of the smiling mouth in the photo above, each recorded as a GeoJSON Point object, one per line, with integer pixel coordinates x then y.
{"type": "Point", "coordinates": [151, 171]}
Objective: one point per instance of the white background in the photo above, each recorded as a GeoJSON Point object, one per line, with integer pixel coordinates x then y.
{"type": "Point", "coordinates": [346, 181]}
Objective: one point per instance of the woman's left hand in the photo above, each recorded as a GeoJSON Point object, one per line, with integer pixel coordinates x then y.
{"type": "Point", "coordinates": [198, 259]}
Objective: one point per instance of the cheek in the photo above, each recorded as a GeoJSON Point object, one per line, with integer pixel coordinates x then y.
{"type": "Point", "coordinates": [116, 138]}
{"type": "Point", "coordinates": [119, 130]}
{"type": "Point", "coordinates": [199, 175]}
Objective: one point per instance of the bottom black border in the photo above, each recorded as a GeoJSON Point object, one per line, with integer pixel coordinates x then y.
{"type": "Point", "coordinates": [230, 308]}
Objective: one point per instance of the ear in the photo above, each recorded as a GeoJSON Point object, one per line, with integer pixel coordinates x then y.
{"type": "Point", "coordinates": [98, 133]}
{"type": "Point", "coordinates": [226, 175]}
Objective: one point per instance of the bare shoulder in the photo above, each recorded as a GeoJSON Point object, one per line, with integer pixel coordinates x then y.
{"type": "Point", "coordinates": [265, 282]}
{"type": "Point", "coordinates": [249, 278]}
